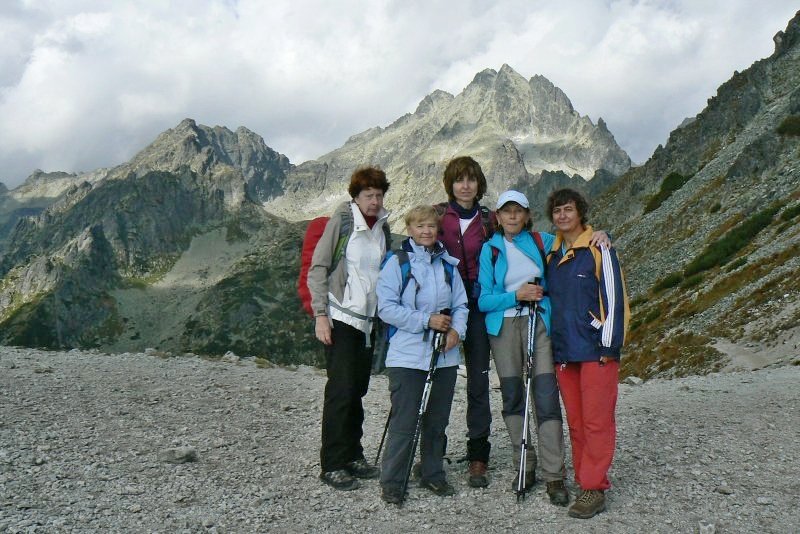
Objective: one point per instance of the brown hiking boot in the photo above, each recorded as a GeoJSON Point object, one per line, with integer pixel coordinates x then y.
{"type": "Point", "coordinates": [478, 476]}
{"type": "Point", "coordinates": [588, 504]}
{"type": "Point", "coordinates": [557, 492]}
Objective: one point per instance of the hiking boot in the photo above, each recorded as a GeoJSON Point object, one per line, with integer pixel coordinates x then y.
{"type": "Point", "coordinates": [478, 476]}
{"type": "Point", "coordinates": [442, 488]}
{"type": "Point", "coordinates": [588, 504]}
{"type": "Point", "coordinates": [340, 480]}
{"type": "Point", "coordinates": [557, 492]}
{"type": "Point", "coordinates": [392, 494]}
{"type": "Point", "coordinates": [530, 480]}
{"type": "Point", "coordinates": [362, 469]}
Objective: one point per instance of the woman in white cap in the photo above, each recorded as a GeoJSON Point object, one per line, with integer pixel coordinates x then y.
{"type": "Point", "coordinates": [512, 274]}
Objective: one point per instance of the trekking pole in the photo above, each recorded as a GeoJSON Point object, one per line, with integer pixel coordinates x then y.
{"type": "Point", "coordinates": [529, 370]}
{"type": "Point", "coordinates": [383, 437]}
{"type": "Point", "coordinates": [437, 343]}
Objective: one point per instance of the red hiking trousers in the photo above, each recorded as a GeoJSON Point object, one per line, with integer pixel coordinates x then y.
{"type": "Point", "coordinates": [589, 392]}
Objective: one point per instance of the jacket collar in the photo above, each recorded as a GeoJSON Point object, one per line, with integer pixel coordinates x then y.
{"type": "Point", "coordinates": [583, 241]}
{"type": "Point", "coordinates": [359, 223]}
{"type": "Point", "coordinates": [409, 245]}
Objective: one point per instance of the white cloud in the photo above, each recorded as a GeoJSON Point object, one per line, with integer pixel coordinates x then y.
{"type": "Point", "coordinates": [87, 84]}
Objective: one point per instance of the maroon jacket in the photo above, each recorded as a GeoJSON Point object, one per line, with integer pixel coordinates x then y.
{"type": "Point", "coordinates": [466, 248]}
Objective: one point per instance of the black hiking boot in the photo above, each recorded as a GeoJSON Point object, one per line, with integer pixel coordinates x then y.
{"type": "Point", "coordinates": [530, 480]}
{"type": "Point", "coordinates": [392, 495]}
{"type": "Point", "coordinates": [340, 480]}
{"type": "Point", "coordinates": [442, 488]}
{"type": "Point", "coordinates": [362, 469]}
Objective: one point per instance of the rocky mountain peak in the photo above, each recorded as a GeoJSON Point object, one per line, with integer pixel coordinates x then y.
{"type": "Point", "coordinates": [435, 100]}
{"type": "Point", "coordinates": [47, 185]}
{"type": "Point", "coordinates": [785, 40]}
{"type": "Point", "coordinates": [218, 154]}
{"type": "Point", "coordinates": [516, 129]}
{"type": "Point", "coordinates": [484, 78]}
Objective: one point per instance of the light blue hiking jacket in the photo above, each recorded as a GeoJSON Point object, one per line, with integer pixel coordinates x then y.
{"type": "Point", "coordinates": [427, 293]}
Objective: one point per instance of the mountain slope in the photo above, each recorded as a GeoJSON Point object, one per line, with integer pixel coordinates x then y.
{"type": "Point", "coordinates": [101, 265]}
{"type": "Point", "coordinates": [708, 227]}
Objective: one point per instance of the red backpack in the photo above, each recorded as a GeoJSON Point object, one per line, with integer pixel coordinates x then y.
{"type": "Point", "coordinates": [310, 239]}
{"type": "Point", "coordinates": [312, 236]}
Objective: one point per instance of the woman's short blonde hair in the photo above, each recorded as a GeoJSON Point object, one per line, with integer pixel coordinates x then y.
{"type": "Point", "coordinates": [421, 213]}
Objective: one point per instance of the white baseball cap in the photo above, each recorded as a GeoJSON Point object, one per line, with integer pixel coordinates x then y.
{"type": "Point", "coordinates": [512, 196]}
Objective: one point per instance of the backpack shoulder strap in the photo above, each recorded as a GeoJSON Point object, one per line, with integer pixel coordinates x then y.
{"type": "Point", "coordinates": [486, 223]}
{"type": "Point", "coordinates": [448, 273]}
{"type": "Point", "coordinates": [405, 266]}
{"type": "Point", "coordinates": [598, 261]}
{"type": "Point", "coordinates": [345, 228]}
{"type": "Point", "coordinates": [537, 238]}
{"type": "Point", "coordinates": [387, 234]}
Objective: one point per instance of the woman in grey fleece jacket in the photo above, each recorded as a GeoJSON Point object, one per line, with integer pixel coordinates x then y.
{"type": "Point", "coordinates": [342, 286]}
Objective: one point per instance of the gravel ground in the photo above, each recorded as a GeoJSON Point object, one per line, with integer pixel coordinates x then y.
{"type": "Point", "coordinates": [90, 442]}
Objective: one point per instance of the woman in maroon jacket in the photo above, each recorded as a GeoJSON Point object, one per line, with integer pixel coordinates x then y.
{"type": "Point", "coordinates": [465, 225]}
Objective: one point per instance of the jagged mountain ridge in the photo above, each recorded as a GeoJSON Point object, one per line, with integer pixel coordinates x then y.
{"type": "Point", "coordinates": [516, 129]}
{"type": "Point", "coordinates": [723, 190]}
{"type": "Point", "coordinates": [89, 269]}
{"type": "Point", "coordinates": [237, 163]}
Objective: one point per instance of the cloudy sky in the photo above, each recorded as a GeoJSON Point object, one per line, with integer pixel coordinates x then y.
{"type": "Point", "coordinates": [87, 83]}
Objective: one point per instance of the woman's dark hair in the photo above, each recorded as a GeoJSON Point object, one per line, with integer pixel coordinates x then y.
{"type": "Point", "coordinates": [367, 177]}
{"type": "Point", "coordinates": [561, 197]}
{"type": "Point", "coordinates": [459, 167]}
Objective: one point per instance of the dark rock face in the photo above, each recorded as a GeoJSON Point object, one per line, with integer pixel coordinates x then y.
{"type": "Point", "coordinates": [254, 309]}
{"type": "Point", "coordinates": [143, 219]}
{"type": "Point", "coordinates": [72, 243]}
{"type": "Point", "coordinates": [76, 311]}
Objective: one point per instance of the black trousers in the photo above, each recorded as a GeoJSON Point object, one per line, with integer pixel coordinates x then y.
{"type": "Point", "coordinates": [406, 387]}
{"type": "Point", "coordinates": [476, 360]}
{"type": "Point", "coordinates": [348, 361]}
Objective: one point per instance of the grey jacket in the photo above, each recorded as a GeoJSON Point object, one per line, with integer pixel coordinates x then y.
{"type": "Point", "coordinates": [324, 283]}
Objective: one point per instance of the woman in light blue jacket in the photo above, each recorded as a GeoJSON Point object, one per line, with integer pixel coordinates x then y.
{"type": "Point", "coordinates": [413, 304]}
{"type": "Point", "coordinates": [510, 262]}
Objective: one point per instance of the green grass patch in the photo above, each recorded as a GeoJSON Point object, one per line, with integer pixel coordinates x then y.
{"type": "Point", "coordinates": [721, 251]}
{"type": "Point", "coordinates": [790, 125]}
{"type": "Point", "coordinates": [692, 281]}
{"type": "Point", "coordinates": [680, 354]}
{"type": "Point", "coordinates": [671, 183]}
{"type": "Point", "coordinates": [738, 262]}
{"type": "Point", "coordinates": [669, 281]}
{"type": "Point", "coordinates": [735, 281]}
{"type": "Point", "coordinates": [790, 212]}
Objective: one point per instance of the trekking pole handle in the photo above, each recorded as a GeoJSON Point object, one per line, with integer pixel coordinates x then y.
{"type": "Point", "coordinates": [440, 338]}
{"type": "Point", "coordinates": [536, 281]}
